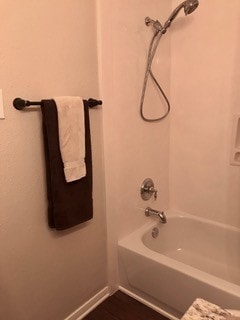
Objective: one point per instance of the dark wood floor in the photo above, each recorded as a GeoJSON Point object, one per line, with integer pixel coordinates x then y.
{"type": "Point", "coordinates": [122, 307]}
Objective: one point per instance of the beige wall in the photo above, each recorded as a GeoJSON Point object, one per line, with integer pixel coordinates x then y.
{"type": "Point", "coordinates": [134, 149]}
{"type": "Point", "coordinates": [205, 77]}
{"type": "Point", "coordinates": [48, 48]}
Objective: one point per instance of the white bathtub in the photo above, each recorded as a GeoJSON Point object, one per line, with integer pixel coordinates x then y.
{"type": "Point", "coordinates": [191, 257]}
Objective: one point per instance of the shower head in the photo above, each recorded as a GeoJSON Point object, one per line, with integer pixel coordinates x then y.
{"type": "Point", "coordinates": [189, 6]}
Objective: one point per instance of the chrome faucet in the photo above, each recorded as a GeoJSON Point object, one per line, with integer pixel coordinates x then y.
{"type": "Point", "coordinates": [151, 212]}
{"type": "Point", "coordinates": [147, 189]}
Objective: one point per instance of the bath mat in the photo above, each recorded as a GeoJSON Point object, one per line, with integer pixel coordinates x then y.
{"type": "Point", "coordinates": [204, 310]}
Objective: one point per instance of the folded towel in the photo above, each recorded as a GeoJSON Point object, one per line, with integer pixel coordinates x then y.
{"type": "Point", "coordinates": [68, 203]}
{"type": "Point", "coordinates": [204, 310]}
{"type": "Point", "coordinates": [71, 130]}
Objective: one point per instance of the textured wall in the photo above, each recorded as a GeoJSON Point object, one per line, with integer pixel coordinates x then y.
{"type": "Point", "coordinates": [48, 48]}
{"type": "Point", "coordinates": [205, 77]}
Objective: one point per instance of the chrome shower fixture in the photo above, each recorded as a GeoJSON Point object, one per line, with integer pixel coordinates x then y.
{"type": "Point", "coordinates": [188, 6]}
{"type": "Point", "coordinates": [147, 189]}
{"type": "Point", "coordinates": [155, 23]}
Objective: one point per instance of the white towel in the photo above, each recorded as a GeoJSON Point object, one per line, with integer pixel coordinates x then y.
{"type": "Point", "coordinates": [71, 130]}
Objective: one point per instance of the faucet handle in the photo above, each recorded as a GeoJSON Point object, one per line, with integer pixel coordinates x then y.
{"type": "Point", "coordinates": [155, 195]}
{"type": "Point", "coordinates": [147, 189]}
{"type": "Point", "coordinates": [153, 191]}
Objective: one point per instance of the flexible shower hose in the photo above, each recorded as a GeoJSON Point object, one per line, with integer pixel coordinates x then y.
{"type": "Point", "coordinates": [151, 53]}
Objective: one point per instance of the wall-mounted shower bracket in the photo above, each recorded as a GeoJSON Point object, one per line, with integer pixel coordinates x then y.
{"type": "Point", "coordinates": [147, 189]}
{"type": "Point", "coordinates": [155, 23]}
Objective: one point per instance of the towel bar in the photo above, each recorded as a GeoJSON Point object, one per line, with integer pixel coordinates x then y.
{"type": "Point", "coordinates": [20, 103]}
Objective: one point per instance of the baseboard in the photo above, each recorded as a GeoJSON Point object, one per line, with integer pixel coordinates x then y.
{"type": "Point", "coordinates": [102, 295]}
{"type": "Point", "coordinates": [148, 304]}
{"type": "Point", "coordinates": [88, 306]}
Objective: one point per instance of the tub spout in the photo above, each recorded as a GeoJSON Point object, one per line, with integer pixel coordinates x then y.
{"type": "Point", "coordinates": [151, 212]}
{"type": "Point", "coordinates": [162, 217]}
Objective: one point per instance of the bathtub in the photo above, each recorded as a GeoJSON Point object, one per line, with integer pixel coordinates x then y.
{"type": "Point", "coordinates": [191, 257]}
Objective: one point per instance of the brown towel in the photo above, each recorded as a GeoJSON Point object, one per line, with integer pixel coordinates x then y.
{"type": "Point", "coordinates": [68, 203]}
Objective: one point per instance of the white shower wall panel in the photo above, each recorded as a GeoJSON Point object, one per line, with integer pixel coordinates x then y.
{"type": "Point", "coordinates": [205, 75]}
{"type": "Point", "coordinates": [134, 149]}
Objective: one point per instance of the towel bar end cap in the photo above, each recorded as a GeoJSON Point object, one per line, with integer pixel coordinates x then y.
{"type": "Point", "coordinates": [19, 103]}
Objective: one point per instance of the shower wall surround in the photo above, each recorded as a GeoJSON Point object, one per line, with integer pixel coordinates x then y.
{"type": "Point", "coordinates": [205, 51]}
{"type": "Point", "coordinates": [48, 48]}
{"type": "Point", "coordinates": [197, 62]}
{"type": "Point", "coordinates": [134, 149]}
